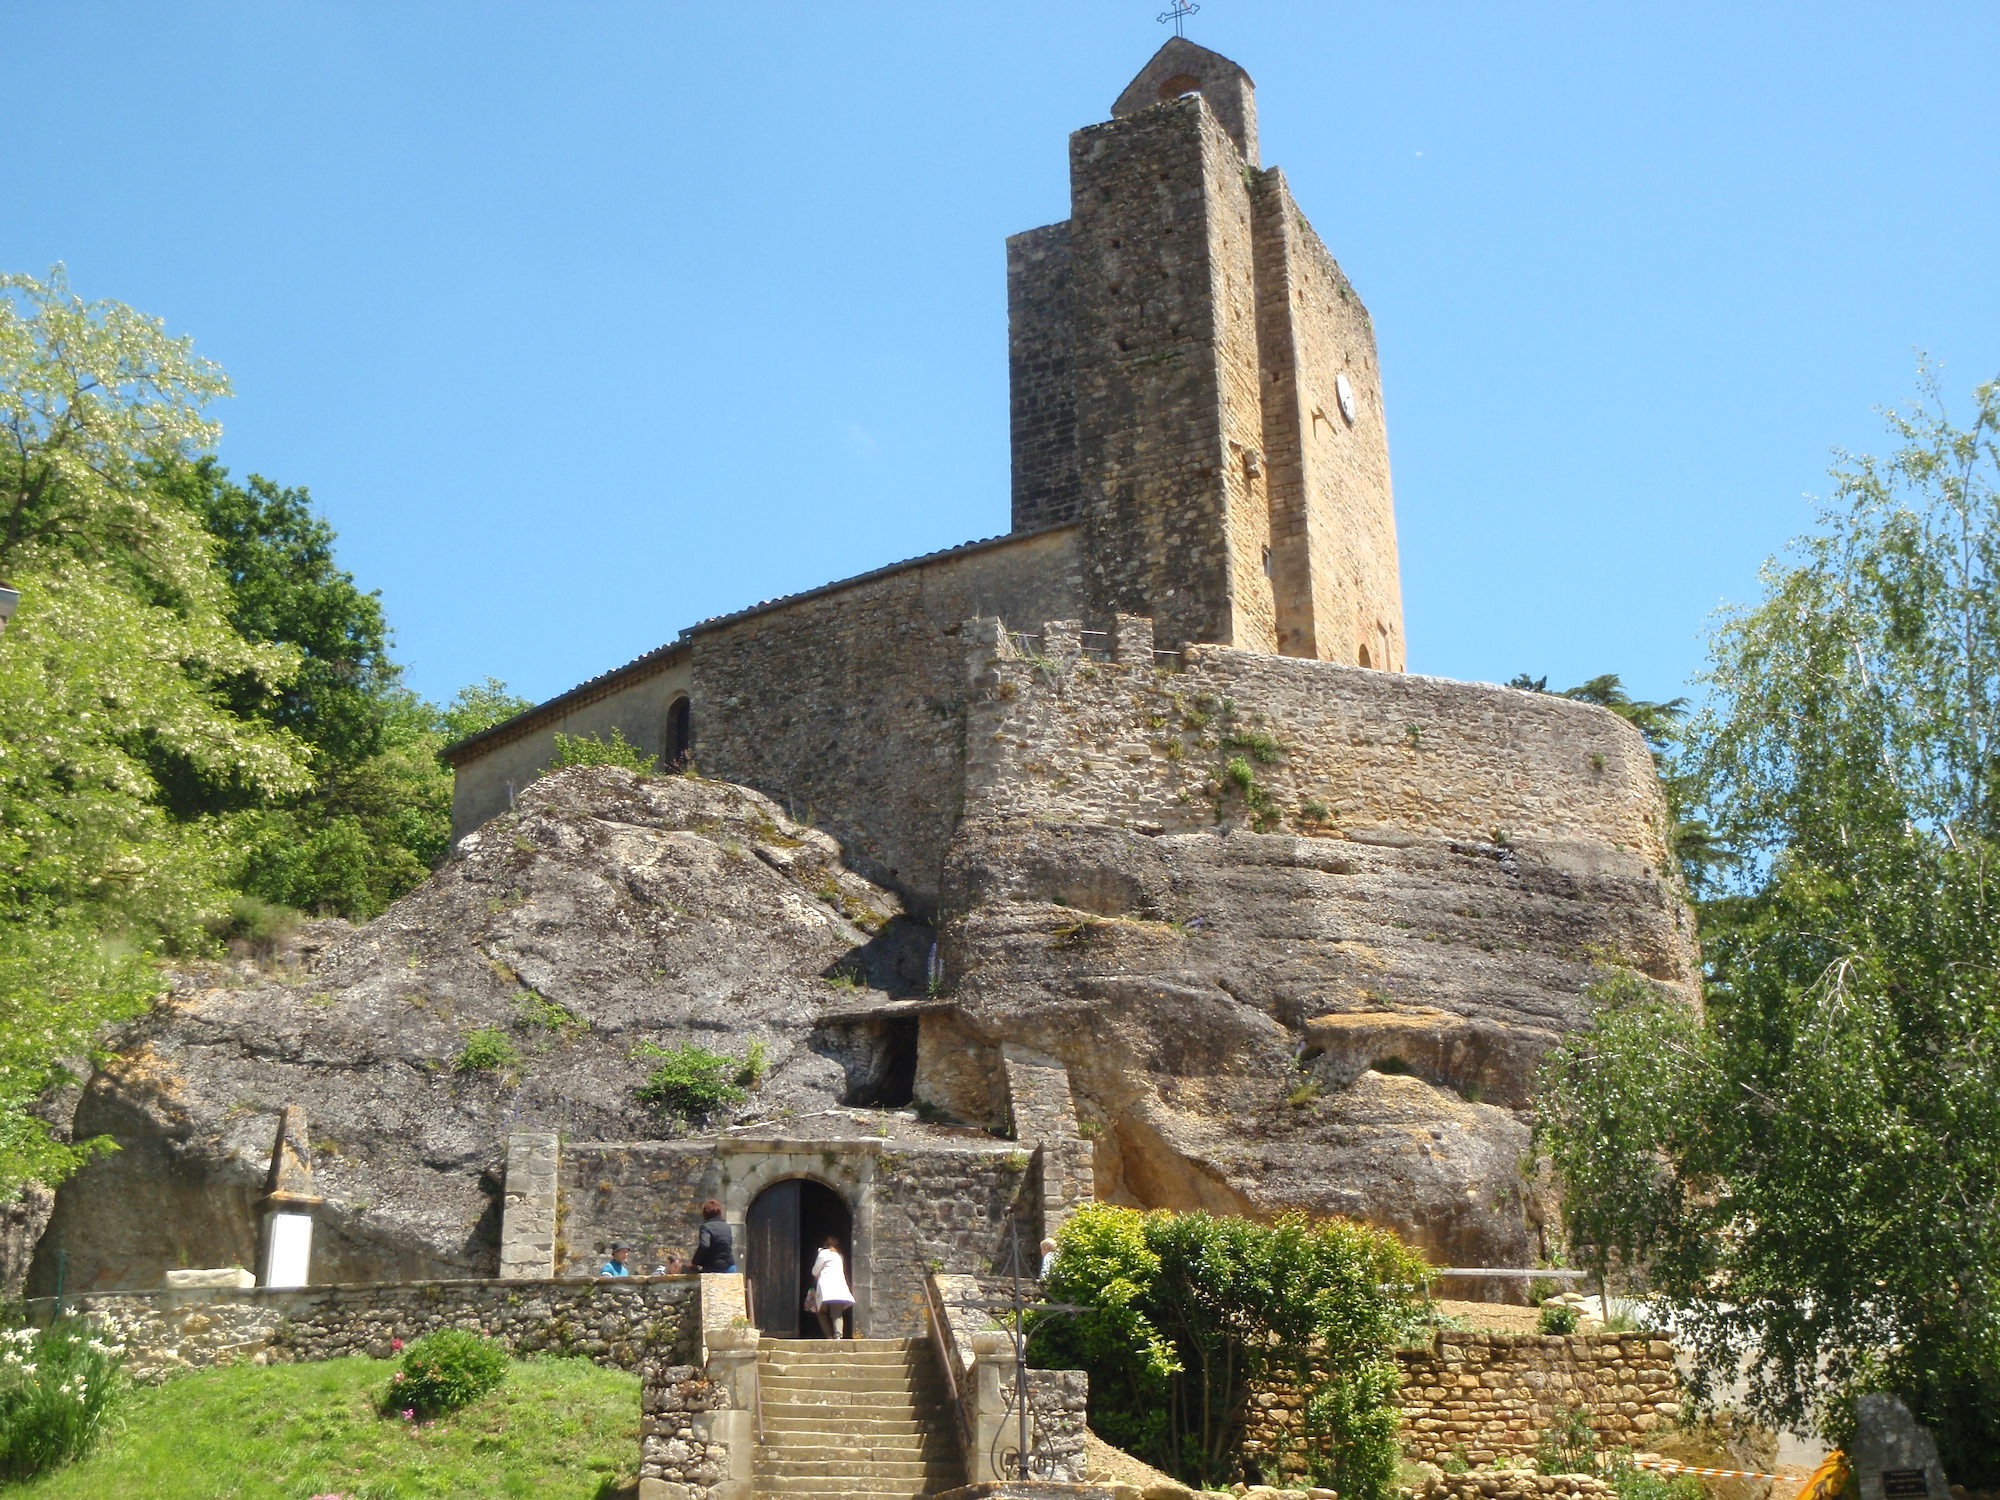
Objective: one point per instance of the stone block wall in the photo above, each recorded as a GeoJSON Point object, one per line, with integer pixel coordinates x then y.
{"type": "Point", "coordinates": [1059, 1407]}
{"type": "Point", "coordinates": [946, 1211]}
{"type": "Point", "coordinates": [678, 1443]}
{"type": "Point", "coordinates": [616, 1323]}
{"type": "Point", "coordinates": [1485, 1398]}
{"type": "Point", "coordinates": [916, 1205]}
{"type": "Point", "coordinates": [528, 1206]}
{"type": "Point", "coordinates": [633, 700]}
{"type": "Point", "coordinates": [1493, 1394]}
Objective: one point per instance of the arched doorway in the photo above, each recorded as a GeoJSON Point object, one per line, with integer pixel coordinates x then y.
{"type": "Point", "coordinates": [782, 1233]}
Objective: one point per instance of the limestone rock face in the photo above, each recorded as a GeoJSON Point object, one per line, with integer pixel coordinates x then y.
{"type": "Point", "coordinates": [1262, 1021]}
{"type": "Point", "coordinates": [608, 912]}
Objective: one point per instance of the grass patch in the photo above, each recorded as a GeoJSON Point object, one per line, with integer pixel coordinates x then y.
{"type": "Point", "coordinates": [559, 1429]}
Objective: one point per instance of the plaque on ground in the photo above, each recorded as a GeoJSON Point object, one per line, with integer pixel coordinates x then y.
{"type": "Point", "coordinates": [1893, 1457]}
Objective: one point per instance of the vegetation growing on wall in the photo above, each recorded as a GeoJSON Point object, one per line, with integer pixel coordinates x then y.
{"type": "Point", "coordinates": [1190, 1312]}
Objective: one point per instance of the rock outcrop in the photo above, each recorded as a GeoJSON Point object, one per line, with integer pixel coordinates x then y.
{"type": "Point", "coordinates": [607, 914]}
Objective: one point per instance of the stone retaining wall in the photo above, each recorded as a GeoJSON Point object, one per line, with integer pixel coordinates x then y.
{"type": "Point", "coordinates": [619, 1323]}
{"type": "Point", "coordinates": [1488, 1397]}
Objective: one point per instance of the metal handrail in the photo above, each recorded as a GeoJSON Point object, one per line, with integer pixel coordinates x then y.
{"type": "Point", "coordinates": [947, 1355]}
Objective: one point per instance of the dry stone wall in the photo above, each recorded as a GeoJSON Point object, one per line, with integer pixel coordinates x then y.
{"type": "Point", "coordinates": [1487, 1398]}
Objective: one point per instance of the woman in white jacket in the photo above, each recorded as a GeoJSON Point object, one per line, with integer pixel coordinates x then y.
{"type": "Point", "coordinates": [832, 1297]}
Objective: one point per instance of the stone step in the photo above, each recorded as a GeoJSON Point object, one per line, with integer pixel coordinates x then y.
{"type": "Point", "coordinates": [842, 1352]}
{"type": "Point", "coordinates": [905, 1345]}
{"type": "Point", "coordinates": [816, 1419]}
{"type": "Point", "coordinates": [777, 1458]}
{"type": "Point", "coordinates": [862, 1403]}
{"type": "Point", "coordinates": [845, 1468]}
{"type": "Point", "coordinates": [795, 1387]}
{"type": "Point", "coordinates": [873, 1489]}
{"type": "Point", "coordinates": [818, 1368]}
{"type": "Point", "coordinates": [832, 1445]}
{"type": "Point", "coordinates": [800, 1414]}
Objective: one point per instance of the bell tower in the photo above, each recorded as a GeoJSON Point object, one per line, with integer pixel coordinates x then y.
{"type": "Point", "coordinates": [1194, 382]}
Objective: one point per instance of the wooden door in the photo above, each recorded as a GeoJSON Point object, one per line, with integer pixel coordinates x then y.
{"type": "Point", "coordinates": [771, 1258]}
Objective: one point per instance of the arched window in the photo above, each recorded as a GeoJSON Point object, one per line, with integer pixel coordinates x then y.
{"type": "Point", "coordinates": [679, 739]}
{"type": "Point", "coordinates": [1179, 87]}
{"type": "Point", "coordinates": [1364, 658]}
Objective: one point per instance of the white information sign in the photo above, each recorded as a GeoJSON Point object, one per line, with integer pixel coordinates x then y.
{"type": "Point", "coordinates": [290, 1250]}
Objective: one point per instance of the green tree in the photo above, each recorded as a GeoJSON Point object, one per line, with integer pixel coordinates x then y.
{"type": "Point", "coordinates": [1190, 1313]}
{"type": "Point", "coordinates": [122, 654]}
{"type": "Point", "coordinates": [1808, 1173]}
{"type": "Point", "coordinates": [478, 707]}
{"type": "Point", "coordinates": [277, 558]}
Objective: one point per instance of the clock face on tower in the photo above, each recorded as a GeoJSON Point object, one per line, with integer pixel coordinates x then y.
{"type": "Point", "coordinates": [1345, 392]}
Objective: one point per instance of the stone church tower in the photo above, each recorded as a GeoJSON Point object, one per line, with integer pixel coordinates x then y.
{"type": "Point", "coordinates": [1195, 382]}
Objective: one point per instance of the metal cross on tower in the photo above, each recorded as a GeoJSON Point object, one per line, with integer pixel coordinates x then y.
{"type": "Point", "coordinates": [1178, 13]}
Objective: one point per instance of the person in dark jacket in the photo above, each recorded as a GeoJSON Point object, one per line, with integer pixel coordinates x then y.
{"type": "Point", "coordinates": [714, 1247]}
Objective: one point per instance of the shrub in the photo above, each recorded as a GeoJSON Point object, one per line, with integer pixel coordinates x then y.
{"type": "Point", "coordinates": [1567, 1445]}
{"type": "Point", "coordinates": [692, 1082]}
{"type": "Point", "coordinates": [1187, 1313]}
{"type": "Point", "coordinates": [444, 1371]}
{"type": "Point", "coordinates": [1630, 1482]}
{"type": "Point", "coordinates": [57, 1388]}
{"type": "Point", "coordinates": [589, 750]}
{"type": "Point", "coordinates": [1556, 1319]}
{"type": "Point", "coordinates": [487, 1050]}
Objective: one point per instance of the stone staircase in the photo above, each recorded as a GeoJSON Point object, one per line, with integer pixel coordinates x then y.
{"type": "Point", "coordinates": [861, 1418]}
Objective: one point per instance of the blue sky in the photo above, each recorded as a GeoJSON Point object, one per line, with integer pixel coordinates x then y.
{"type": "Point", "coordinates": [585, 321]}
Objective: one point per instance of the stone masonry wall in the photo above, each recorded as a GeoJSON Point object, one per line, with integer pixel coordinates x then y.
{"type": "Point", "coordinates": [1333, 519]}
{"type": "Point", "coordinates": [1041, 378]}
{"type": "Point", "coordinates": [1487, 1397]}
{"type": "Point", "coordinates": [1044, 1116]}
{"type": "Point", "coordinates": [848, 704]}
{"type": "Point", "coordinates": [617, 1323]}
{"type": "Point", "coordinates": [945, 1211]}
{"type": "Point", "coordinates": [1356, 755]}
{"type": "Point", "coordinates": [645, 1195]}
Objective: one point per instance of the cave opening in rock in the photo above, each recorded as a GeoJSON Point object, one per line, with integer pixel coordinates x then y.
{"type": "Point", "coordinates": [877, 1052]}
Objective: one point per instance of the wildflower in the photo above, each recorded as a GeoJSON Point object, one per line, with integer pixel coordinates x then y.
{"type": "Point", "coordinates": [396, 1346]}
{"type": "Point", "coordinates": [409, 1414]}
